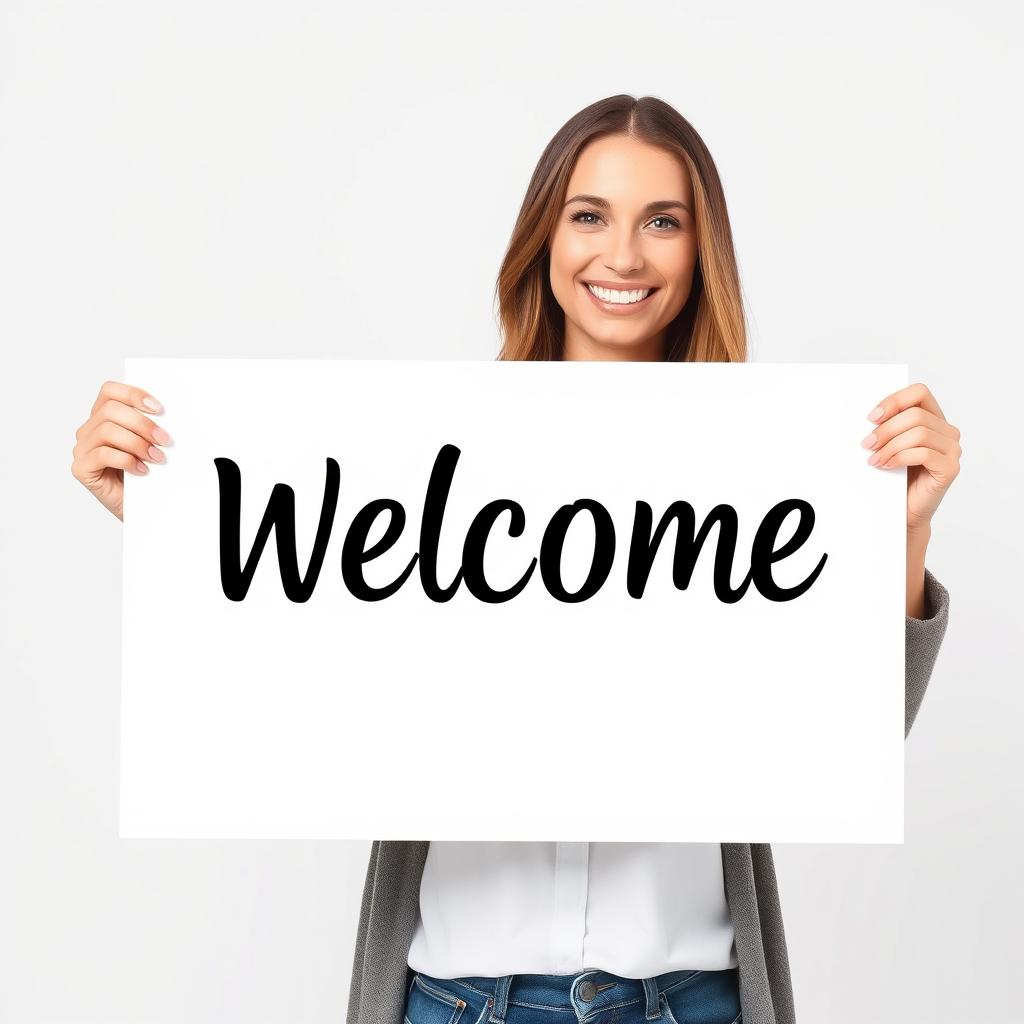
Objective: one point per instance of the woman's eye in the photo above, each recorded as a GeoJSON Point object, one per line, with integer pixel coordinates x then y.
{"type": "Point", "coordinates": [580, 218]}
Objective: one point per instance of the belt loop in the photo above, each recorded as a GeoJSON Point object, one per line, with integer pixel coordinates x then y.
{"type": "Point", "coordinates": [500, 999]}
{"type": "Point", "coordinates": [653, 1003]}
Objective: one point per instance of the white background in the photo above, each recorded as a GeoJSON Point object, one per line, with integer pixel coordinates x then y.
{"type": "Point", "coordinates": [268, 718]}
{"type": "Point", "coordinates": [174, 173]}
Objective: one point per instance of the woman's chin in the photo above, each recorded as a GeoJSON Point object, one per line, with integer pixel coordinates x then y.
{"type": "Point", "coordinates": [622, 336]}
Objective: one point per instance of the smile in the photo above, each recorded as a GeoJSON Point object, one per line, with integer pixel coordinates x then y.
{"type": "Point", "coordinates": [620, 302]}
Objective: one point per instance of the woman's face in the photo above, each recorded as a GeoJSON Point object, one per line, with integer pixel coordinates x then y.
{"type": "Point", "coordinates": [627, 225]}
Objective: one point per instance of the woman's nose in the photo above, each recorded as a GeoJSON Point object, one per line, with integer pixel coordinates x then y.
{"type": "Point", "coordinates": [623, 256]}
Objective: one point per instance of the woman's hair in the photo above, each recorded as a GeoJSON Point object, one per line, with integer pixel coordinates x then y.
{"type": "Point", "coordinates": [710, 327]}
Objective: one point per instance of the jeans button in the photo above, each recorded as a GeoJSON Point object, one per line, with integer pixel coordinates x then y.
{"type": "Point", "coordinates": [587, 991]}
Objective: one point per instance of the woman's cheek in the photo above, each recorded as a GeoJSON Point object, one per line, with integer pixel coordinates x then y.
{"type": "Point", "coordinates": [578, 252]}
{"type": "Point", "coordinates": [682, 273]}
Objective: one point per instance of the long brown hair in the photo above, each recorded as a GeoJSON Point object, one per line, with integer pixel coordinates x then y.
{"type": "Point", "coordinates": [710, 327]}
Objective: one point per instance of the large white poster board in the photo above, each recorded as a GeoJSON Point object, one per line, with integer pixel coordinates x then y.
{"type": "Point", "coordinates": [759, 702]}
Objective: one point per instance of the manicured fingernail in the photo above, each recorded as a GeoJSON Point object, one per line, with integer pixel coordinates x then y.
{"type": "Point", "coordinates": [142, 467]}
{"type": "Point", "coordinates": [161, 436]}
{"type": "Point", "coordinates": [152, 404]}
{"type": "Point", "coordinates": [156, 455]}
{"type": "Point", "coordinates": [876, 413]}
{"type": "Point", "coordinates": [873, 461]}
{"type": "Point", "coordinates": [869, 440]}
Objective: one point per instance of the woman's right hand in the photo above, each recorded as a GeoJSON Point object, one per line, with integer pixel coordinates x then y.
{"type": "Point", "coordinates": [116, 437]}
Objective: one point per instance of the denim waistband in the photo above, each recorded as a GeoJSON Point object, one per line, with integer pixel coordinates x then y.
{"type": "Point", "coordinates": [586, 992]}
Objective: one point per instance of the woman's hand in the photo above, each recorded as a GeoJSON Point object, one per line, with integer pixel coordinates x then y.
{"type": "Point", "coordinates": [911, 431]}
{"type": "Point", "coordinates": [116, 437]}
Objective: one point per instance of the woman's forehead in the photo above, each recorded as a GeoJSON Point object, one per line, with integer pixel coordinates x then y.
{"type": "Point", "coordinates": [626, 171]}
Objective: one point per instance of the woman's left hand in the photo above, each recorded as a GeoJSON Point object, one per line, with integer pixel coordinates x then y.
{"type": "Point", "coordinates": [911, 431]}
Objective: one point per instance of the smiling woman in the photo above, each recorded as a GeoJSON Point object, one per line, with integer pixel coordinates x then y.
{"type": "Point", "coordinates": [622, 249]}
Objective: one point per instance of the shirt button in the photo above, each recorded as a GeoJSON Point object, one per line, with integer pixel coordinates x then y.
{"type": "Point", "coordinates": [587, 991]}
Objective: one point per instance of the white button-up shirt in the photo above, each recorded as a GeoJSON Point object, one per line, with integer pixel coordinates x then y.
{"type": "Point", "coordinates": [634, 909]}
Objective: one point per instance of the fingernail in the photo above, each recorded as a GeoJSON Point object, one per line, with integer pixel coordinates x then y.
{"type": "Point", "coordinates": [876, 413]}
{"type": "Point", "coordinates": [873, 461]}
{"type": "Point", "coordinates": [869, 440]}
{"type": "Point", "coordinates": [156, 455]}
{"type": "Point", "coordinates": [152, 404]}
{"type": "Point", "coordinates": [161, 436]}
{"type": "Point", "coordinates": [142, 467]}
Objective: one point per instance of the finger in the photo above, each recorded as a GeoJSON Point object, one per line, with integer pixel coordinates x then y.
{"type": "Point", "coordinates": [941, 466]}
{"type": "Point", "coordinates": [116, 436]}
{"type": "Point", "coordinates": [915, 437]}
{"type": "Point", "coordinates": [912, 394]}
{"type": "Point", "coordinates": [912, 417]}
{"type": "Point", "coordinates": [133, 396]}
{"type": "Point", "coordinates": [92, 463]}
{"type": "Point", "coordinates": [126, 416]}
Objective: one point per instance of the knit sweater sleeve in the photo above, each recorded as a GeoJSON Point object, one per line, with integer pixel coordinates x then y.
{"type": "Point", "coordinates": [924, 638]}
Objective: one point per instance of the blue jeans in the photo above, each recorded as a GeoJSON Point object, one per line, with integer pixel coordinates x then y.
{"type": "Point", "coordinates": [595, 997]}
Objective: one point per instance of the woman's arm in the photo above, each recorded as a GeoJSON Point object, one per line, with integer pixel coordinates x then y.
{"type": "Point", "coordinates": [917, 550]}
{"type": "Point", "coordinates": [912, 431]}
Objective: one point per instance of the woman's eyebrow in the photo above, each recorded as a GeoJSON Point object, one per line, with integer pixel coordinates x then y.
{"type": "Point", "coordinates": [660, 204]}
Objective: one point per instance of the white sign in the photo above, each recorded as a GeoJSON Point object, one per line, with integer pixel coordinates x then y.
{"type": "Point", "coordinates": [514, 601]}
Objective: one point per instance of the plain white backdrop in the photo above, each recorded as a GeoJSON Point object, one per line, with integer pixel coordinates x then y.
{"type": "Point", "coordinates": [311, 180]}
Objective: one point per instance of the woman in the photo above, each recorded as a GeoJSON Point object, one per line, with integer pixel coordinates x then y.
{"type": "Point", "coordinates": [622, 250]}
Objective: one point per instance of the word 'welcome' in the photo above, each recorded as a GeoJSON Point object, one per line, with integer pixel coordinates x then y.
{"type": "Point", "coordinates": [280, 516]}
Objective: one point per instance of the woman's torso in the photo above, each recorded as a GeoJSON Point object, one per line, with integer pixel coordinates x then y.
{"type": "Point", "coordinates": [637, 910]}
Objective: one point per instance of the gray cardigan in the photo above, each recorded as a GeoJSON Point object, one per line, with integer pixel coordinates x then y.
{"type": "Point", "coordinates": [387, 918]}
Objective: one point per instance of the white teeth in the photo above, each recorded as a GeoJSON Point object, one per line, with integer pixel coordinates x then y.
{"type": "Point", "coordinates": [624, 298]}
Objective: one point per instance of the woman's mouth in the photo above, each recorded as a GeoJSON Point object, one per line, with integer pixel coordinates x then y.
{"type": "Point", "coordinates": [619, 302]}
